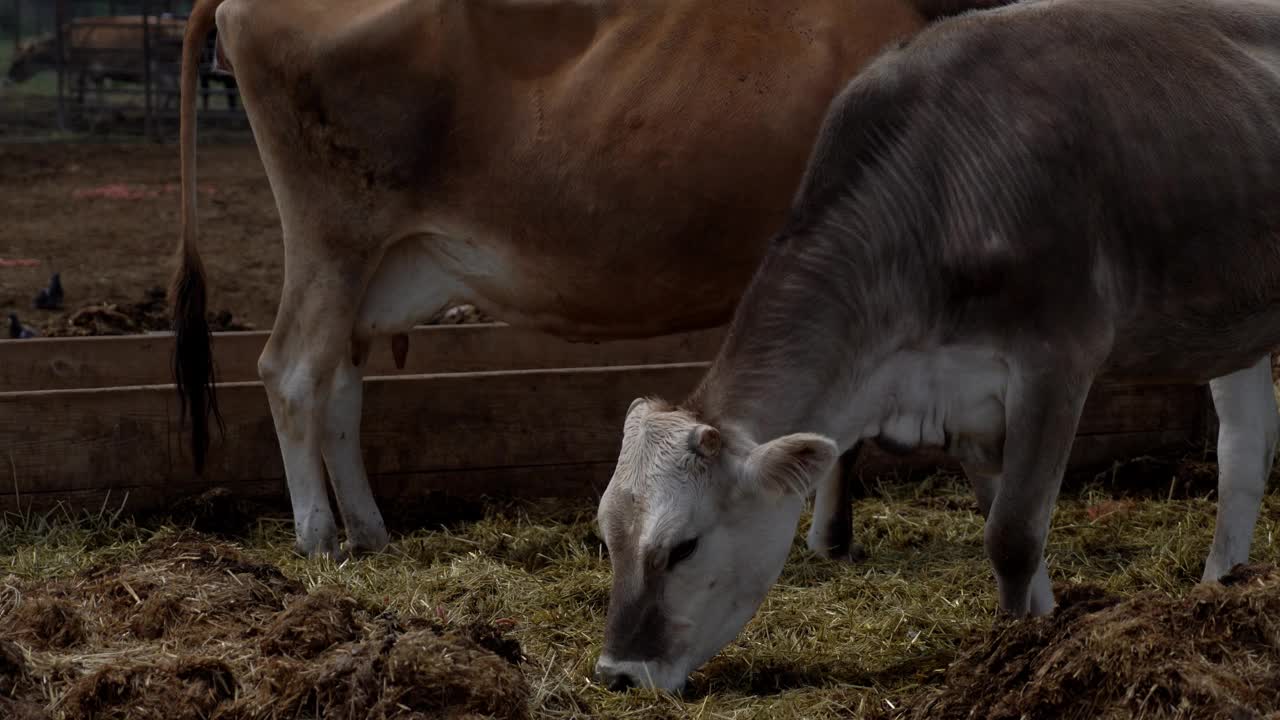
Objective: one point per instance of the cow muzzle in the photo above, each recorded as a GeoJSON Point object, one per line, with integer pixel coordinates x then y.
{"type": "Point", "coordinates": [623, 675]}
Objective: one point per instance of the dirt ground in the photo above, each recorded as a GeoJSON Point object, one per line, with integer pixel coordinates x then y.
{"type": "Point", "coordinates": [106, 218]}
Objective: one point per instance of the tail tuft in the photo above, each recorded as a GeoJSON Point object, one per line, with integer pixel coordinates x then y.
{"type": "Point", "coordinates": [193, 368]}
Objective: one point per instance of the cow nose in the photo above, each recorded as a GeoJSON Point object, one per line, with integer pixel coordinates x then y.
{"type": "Point", "coordinates": [621, 682]}
{"type": "Point", "coordinates": [615, 680]}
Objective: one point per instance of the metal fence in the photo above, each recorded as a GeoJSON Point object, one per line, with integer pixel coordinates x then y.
{"type": "Point", "coordinates": [103, 66]}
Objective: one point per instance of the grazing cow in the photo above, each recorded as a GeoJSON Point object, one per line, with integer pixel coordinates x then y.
{"type": "Point", "coordinates": [1012, 204]}
{"type": "Point", "coordinates": [594, 169]}
{"type": "Point", "coordinates": [97, 49]}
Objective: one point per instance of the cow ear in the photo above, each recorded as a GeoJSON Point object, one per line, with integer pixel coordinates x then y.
{"type": "Point", "coordinates": [704, 440]}
{"type": "Point", "coordinates": [791, 464]}
{"type": "Point", "coordinates": [636, 403]}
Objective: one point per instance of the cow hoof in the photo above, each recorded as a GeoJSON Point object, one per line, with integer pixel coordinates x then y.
{"type": "Point", "coordinates": [319, 549]}
{"type": "Point", "coordinates": [851, 555]}
{"type": "Point", "coordinates": [355, 550]}
{"type": "Point", "coordinates": [367, 540]}
{"type": "Point", "coordinates": [857, 553]}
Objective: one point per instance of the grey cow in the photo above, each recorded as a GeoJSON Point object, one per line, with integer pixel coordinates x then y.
{"type": "Point", "coordinates": [1009, 205]}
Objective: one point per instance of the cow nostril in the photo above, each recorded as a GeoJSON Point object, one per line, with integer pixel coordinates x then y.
{"type": "Point", "coordinates": [620, 682]}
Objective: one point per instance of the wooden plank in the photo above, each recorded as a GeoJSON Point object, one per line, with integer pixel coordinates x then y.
{"type": "Point", "coordinates": [403, 489]}
{"type": "Point", "coordinates": [124, 360]}
{"type": "Point", "coordinates": [1114, 408]}
{"type": "Point", "coordinates": [578, 480]}
{"type": "Point", "coordinates": [85, 441]}
{"type": "Point", "coordinates": [68, 440]}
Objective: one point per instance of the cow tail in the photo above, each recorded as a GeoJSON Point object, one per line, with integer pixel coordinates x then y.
{"type": "Point", "coordinates": [193, 369]}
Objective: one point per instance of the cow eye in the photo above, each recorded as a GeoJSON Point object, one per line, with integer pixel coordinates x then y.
{"type": "Point", "coordinates": [682, 551]}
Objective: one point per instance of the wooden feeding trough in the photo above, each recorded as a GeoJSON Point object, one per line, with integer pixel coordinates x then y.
{"type": "Point", "coordinates": [478, 409]}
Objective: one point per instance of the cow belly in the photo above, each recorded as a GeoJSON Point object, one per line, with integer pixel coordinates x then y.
{"type": "Point", "coordinates": [582, 296]}
{"type": "Point", "coordinates": [413, 281]}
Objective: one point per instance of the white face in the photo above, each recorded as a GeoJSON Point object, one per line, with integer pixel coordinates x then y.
{"type": "Point", "coordinates": [698, 531]}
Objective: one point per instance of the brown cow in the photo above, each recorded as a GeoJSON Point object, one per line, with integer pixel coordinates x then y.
{"type": "Point", "coordinates": [595, 169]}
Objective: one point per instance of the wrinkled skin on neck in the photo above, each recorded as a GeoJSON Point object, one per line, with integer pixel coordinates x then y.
{"type": "Point", "coordinates": [698, 522]}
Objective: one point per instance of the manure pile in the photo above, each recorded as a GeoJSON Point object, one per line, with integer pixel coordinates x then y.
{"type": "Point", "coordinates": [1213, 653]}
{"type": "Point", "coordinates": [195, 629]}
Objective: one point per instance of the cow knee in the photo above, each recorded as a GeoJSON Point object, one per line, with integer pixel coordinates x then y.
{"type": "Point", "coordinates": [295, 392]}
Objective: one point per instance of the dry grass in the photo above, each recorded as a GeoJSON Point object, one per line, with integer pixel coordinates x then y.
{"type": "Point", "coordinates": [830, 641]}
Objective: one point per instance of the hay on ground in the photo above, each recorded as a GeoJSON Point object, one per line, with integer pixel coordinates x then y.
{"type": "Point", "coordinates": [194, 628]}
{"type": "Point", "coordinates": [530, 582]}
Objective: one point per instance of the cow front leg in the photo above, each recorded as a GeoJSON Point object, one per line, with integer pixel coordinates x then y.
{"type": "Point", "coordinates": [985, 486]}
{"type": "Point", "coordinates": [831, 532]}
{"type": "Point", "coordinates": [1041, 416]}
{"type": "Point", "coordinates": [1248, 429]}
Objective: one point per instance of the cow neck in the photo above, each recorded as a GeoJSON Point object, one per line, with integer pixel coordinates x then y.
{"type": "Point", "coordinates": [823, 311]}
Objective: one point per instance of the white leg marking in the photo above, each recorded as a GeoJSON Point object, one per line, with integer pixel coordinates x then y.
{"type": "Point", "coordinates": [360, 515]}
{"type": "Point", "coordinates": [292, 396]}
{"type": "Point", "coordinates": [1249, 426]}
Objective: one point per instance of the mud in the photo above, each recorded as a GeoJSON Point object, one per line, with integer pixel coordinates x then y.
{"type": "Point", "coordinates": [105, 216]}
{"type": "Point", "coordinates": [150, 314]}
{"type": "Point", "coordinates": [194, 628]}
{"type": "Point", "coordinates": [1213, 653]}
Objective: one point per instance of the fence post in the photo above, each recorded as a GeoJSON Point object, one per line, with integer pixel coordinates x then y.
{"type": "Point", "coordinates": [60, 43]}
{"type": "Point", "coordinates": [146, 67]}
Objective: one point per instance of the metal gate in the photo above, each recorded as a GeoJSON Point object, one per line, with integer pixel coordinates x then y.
{"type": "Point", "coordinates": [107, 66]}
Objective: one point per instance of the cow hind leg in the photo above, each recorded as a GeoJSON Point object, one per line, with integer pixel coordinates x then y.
{"type": "Point", "coordinates": [831, 532]}
{"type": "Point", "coordinates": [406, 288]}
{"type": "Point", "coordinates": [302, 370]}
{"type": "Point", "coordinates": [366, 531]}
{"type": "Point", "coordinates": [1249, 427]}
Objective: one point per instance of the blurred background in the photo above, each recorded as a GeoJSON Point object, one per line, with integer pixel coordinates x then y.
{"type": "Point", "coordinates": [102, 67]}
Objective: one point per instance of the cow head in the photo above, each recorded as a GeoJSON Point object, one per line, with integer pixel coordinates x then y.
{"type": "Point", "coordinates": [30, 59]}
{"type": "Point", "coordinates": [698, 521]}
